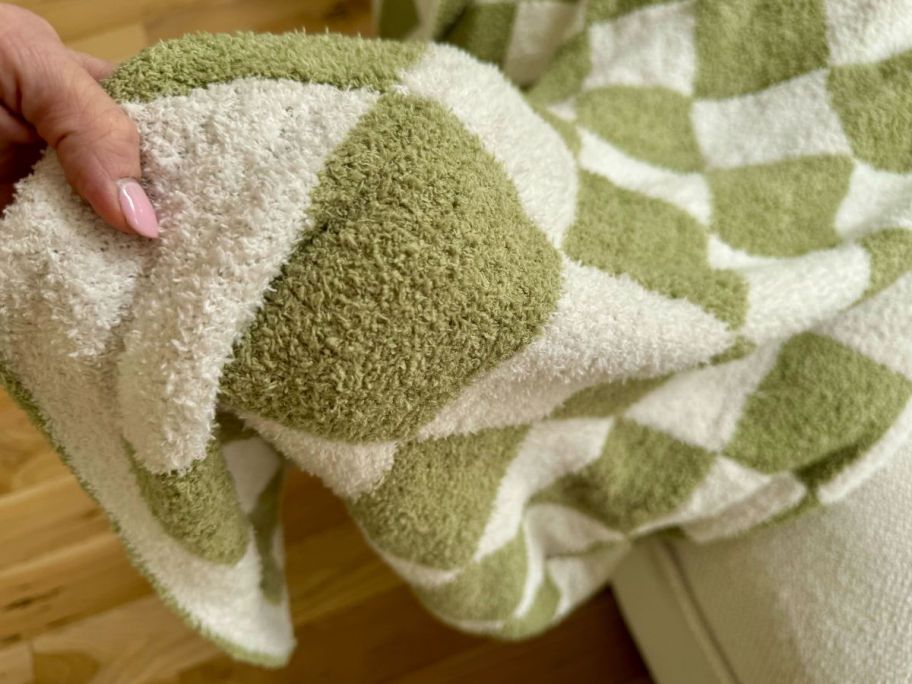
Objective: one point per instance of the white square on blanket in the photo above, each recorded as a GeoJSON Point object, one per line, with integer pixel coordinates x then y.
{"type": "Point", "coordinates": [861, 31]}
{"type": "Point", "coordinates": [790, 119]}
{"type": "Point", "coordinates": [650, 47]}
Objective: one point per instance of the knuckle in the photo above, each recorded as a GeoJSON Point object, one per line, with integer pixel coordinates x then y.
{"type": "Point", "coordinates": [101, 125]}
{"type": "Point", "coordinates": [21, 30]}
{"type": "Point", "coordinates": [116, 127]}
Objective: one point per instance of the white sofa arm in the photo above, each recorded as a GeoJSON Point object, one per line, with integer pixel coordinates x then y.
{"type": "Point", "coordinates": [824, 599]}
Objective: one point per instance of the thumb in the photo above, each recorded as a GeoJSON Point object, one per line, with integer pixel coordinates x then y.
{"type": "Point", "coordinates": [96, 142]}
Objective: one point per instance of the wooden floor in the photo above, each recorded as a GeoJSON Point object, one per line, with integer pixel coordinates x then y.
{"type": "Point", "coordinates": [73, 610]}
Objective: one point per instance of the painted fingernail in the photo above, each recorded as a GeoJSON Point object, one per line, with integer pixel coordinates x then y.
{"type": "Point", "coordinates": [136, 207]}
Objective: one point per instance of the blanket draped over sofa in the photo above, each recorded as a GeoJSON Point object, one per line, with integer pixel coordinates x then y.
{"type": "Point", "coordinates": [600, 270]}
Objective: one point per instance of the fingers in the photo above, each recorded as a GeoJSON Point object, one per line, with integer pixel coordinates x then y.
{"type": "Point", "coordinates": [20, 144]}
{"type": "Point", "coordinates": [55, 91]}
{"type": "Point", "coordinates": [15, 131]}
{"type": "Point", "coordinates": [98, 68]}
{"type": "Point", "coordinates": [96, 142]}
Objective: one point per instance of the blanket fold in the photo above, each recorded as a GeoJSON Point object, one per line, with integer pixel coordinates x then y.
{"type": "Point", "coordinates": [664, 288]}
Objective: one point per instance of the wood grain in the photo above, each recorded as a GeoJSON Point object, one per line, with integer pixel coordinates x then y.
{"type": "Point", "coordinates": [74, 611]}
{"type": "Point", "coordinates": [25, 456]}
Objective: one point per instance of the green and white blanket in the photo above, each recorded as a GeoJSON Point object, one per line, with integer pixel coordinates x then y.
{"type": "Point", "coordinates": [665, 287]}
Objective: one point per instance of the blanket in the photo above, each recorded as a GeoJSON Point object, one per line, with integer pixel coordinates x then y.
{"type": "Point", "coordinates": [590, 271]}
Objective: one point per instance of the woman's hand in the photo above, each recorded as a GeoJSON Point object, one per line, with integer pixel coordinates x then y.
{"type": "Point", "coordinates": [49, 94]}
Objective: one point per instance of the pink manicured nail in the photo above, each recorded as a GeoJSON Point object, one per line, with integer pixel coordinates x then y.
{"type": "Point", "coordinates": [137, 208]}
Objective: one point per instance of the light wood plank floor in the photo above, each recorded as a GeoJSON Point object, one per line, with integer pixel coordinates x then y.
{"type": "Point", "coordinates": [72, 609]}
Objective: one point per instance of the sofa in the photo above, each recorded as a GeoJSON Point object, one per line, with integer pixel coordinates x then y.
{"type": "Point", "coordinates": [825, 598]}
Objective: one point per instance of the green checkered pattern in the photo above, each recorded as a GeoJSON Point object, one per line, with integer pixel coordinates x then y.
{"type": "Point", "coordinates": [715, 141]}
{"type": "Point", "coordinates": [650, 274]}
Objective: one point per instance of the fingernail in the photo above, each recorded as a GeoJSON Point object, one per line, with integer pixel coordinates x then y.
{"type": "Point", "coordinates": [136, 207]}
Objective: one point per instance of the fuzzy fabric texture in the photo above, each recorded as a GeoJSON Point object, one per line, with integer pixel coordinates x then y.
{"type": "Point", "coordinates": [664, 288]}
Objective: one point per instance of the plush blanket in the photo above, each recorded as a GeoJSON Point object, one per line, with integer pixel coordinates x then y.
{"type": "Point", "coordinates": [648, 271]}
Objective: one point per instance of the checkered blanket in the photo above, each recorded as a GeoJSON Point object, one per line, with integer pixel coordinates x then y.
{"type": "Point", "coordinates": [646, 269]}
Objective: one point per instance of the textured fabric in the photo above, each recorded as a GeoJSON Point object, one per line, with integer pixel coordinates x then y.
{"type": "Point", "coordinates": [821, 600]}
{"type": "Point", "coordinates": [666, 287]}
